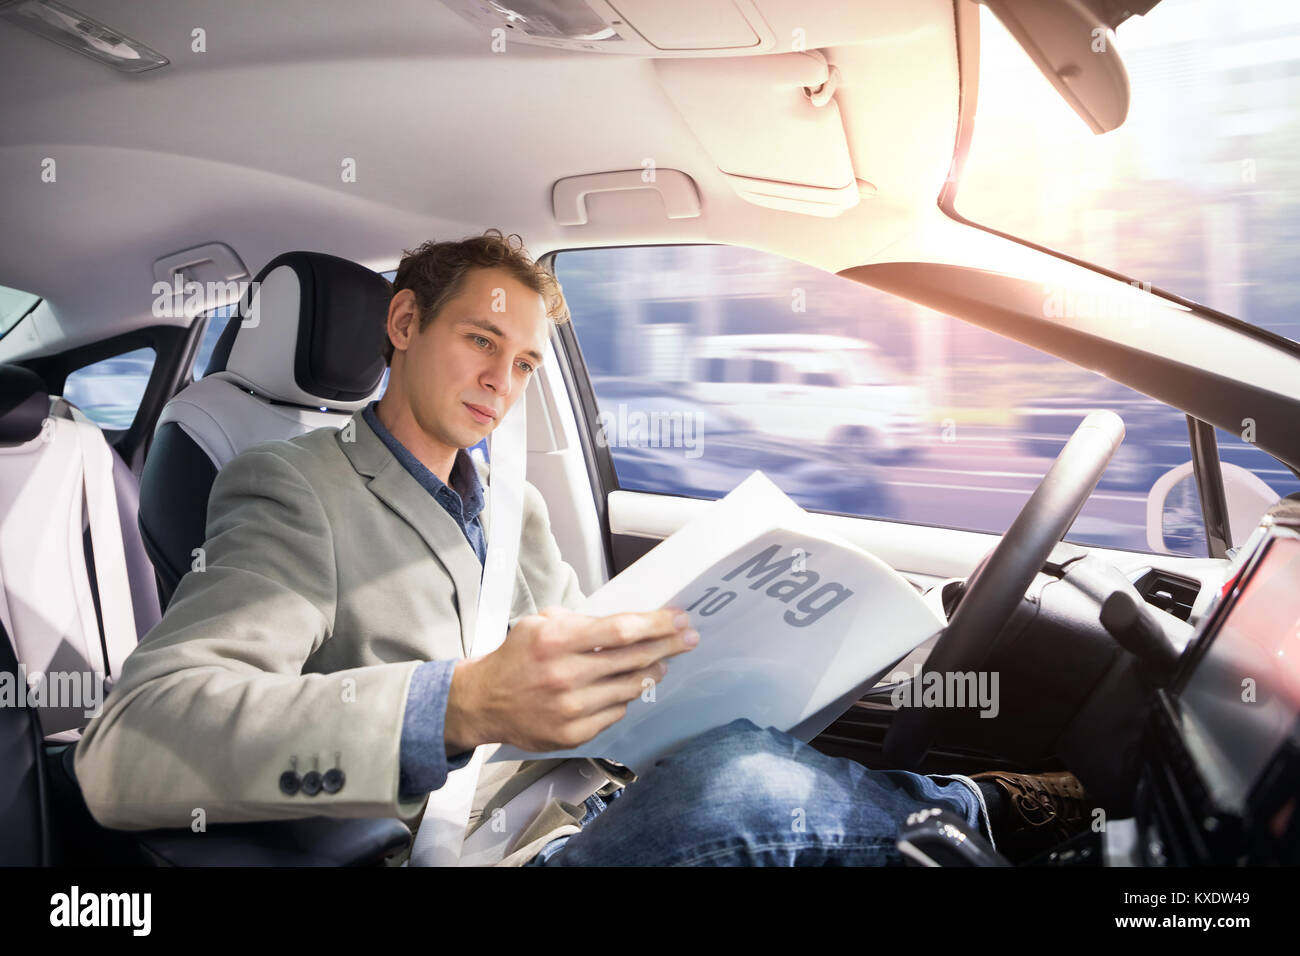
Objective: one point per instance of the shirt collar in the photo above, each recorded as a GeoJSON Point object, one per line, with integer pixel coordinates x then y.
{"type": "Point", "coordinates": [465, 480]}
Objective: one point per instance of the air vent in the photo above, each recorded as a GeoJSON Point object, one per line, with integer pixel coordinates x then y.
{"type": "Point", "coordinates": [1169, 592]}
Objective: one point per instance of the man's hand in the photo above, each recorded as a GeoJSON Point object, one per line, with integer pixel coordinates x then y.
{"type": "Point", "coordinates": [560, 678]}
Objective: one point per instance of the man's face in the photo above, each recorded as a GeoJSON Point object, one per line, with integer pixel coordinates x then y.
{"type": "Point", "coordinates": [470, 364]}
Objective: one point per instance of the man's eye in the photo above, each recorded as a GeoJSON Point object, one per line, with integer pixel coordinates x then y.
{"type": "Point", "coordinates": [526, 367]}
{"type": "Point", "coordinates": [482, 340]}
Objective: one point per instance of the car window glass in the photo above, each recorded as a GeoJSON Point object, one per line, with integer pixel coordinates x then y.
{"type": "Point", "coordinates": [1239, 448]}
{"type": "Point", "coordinates": [14, 304]}
{"type": "Point", "coordinates": [895, 411]}
{"type": "Point", "coordinates": [109, 391]}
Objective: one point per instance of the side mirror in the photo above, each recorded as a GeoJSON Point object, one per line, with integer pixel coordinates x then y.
{"type": "Point", "coordinates": [1174, 522]}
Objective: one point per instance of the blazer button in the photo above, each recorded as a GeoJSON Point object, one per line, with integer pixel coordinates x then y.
{"type": "Point", "coordinates": [290, 783]}
{"type": "Point", "coordinates": [332, 781]}
{"type": "Point", "coordinates": [311, 783]}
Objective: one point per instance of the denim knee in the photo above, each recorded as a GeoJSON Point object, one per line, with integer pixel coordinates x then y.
{"type": "Point", "coordinates": [741, 733]}
{"type": "Point", "coordinates": [739, 794]}
{"type": "Point", "coordinates": [738, 764]}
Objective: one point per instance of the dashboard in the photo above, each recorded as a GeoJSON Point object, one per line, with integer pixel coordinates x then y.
{"type": "Point", "coordinates": [1223, 779]}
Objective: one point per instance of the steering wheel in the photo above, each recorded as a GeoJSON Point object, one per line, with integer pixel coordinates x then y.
{"type": "Point", "coordinates": [1000, 583]}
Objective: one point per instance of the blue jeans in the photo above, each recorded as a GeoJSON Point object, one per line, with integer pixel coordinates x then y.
{"type": "Point", "coordinates": [739, 795]}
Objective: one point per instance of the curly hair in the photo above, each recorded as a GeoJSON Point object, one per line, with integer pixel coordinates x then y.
{"type": "Point", "coordinates": [436, 271]}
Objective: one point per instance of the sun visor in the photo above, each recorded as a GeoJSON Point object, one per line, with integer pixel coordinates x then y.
{"type": "Point", "coordinates": [772, 126]}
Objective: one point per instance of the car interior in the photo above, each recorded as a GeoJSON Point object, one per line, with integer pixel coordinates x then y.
{"type": "Point", "coordinates": [658, 157]}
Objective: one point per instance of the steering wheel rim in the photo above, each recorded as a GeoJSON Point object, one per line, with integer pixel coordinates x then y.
{"type": "Point", "coordinates": [1000, 582]}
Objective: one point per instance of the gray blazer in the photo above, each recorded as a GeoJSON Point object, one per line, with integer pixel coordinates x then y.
{"type": "Point", "coordinates": [327, 576]}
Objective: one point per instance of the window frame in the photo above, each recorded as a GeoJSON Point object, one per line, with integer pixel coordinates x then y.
{"type": "Point", "coordinates": [601, 476]}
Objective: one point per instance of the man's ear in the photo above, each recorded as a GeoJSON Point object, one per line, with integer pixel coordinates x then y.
{"type": "Point", "coordinates": [402, 314]}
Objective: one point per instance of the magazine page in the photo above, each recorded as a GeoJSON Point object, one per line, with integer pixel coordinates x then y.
{"type": "Point", "coordinates": [794, 625]}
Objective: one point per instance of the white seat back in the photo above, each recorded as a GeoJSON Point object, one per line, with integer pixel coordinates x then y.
{"type": "Point", "coordinates": [71, 629]}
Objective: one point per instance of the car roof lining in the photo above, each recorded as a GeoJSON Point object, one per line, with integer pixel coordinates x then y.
{"type": "Point", "coordinates": [243, 144]}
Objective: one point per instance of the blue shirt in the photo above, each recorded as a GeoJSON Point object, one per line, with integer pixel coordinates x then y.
{"type": "Point", "coordinates": [463, 500]}
{"type": "Point", "coordinates": [424, 763]}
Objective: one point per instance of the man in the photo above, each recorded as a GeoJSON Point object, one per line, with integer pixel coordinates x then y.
{"type": "Point", "coordinates": [317, 665]}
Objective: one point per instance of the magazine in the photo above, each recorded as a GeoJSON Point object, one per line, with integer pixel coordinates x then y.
{"type": "Point", "coordinates": [795, 624]}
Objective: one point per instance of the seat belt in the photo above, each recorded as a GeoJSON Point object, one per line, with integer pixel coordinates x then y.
{"type": "Point", "coordinates": [571, 781]}
{"type": "Point", "coordinates": [441, 833]}
{"type": "Point", "coordinates": [115, 605]}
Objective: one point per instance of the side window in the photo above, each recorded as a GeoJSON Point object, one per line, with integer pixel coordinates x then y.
{"type": "Point", "coordinates": [893, 410]}
{"type": "Point", "coordinates": [109, 391]}
{"type": "Point", "coordinates": [825, 379]}
{"type": "Point", "coordinates": [712, 370]}
{"type": "Point", "coordinates": [765, 371]}
{"type": "Point", "coordinates": [14, 305]}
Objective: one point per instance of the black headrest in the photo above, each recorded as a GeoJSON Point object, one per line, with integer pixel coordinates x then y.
{"type": "Point", "coordinates": [336, 330]}
{"type": "Point", "coordinates": [24, 404]}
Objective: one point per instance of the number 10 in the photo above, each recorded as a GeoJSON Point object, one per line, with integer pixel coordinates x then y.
{"type": "Point", "coordinates": [716, 604]}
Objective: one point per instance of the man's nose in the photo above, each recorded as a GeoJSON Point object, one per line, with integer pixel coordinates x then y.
{"type": "Point", "coordinates": [496, 376]}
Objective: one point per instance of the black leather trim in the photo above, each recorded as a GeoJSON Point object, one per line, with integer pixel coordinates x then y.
{"type": "Point", "coordinates": [92, 575]}
{"type": "Point", "coordinates": [173, 504]}
{"type": "Point", "coordinates": [24, 404]}
{"type": "Point", "coordinates": [24, 815]}
{"type": "Point", "coordinates": [139, 569]}
{"type": "Point", "coordinates": [341, 314]}
{"type": "Point", "coordinates": [311, 841]}
{"type": "Point", "coordinates": [221, 351]}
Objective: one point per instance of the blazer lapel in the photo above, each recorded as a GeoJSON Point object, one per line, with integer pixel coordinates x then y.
{"type": "Point", "coordinates": [398, 489]}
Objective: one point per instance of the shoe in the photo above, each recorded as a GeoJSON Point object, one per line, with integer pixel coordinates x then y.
{"type": "Point", "coordinates": [1043, 811]}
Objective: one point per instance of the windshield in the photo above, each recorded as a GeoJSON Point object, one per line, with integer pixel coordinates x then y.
{"type": "Point", "coordinates": [1198, 193]}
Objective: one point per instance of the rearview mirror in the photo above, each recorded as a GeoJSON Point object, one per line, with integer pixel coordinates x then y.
{"type": "Point", "coordinates": [1071, 44]}
{"type": "Point", "coordinates": [1174, 522]}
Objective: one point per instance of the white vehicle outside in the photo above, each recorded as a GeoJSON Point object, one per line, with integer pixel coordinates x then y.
{"type": "Point", "coordinates": [811, 388]}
